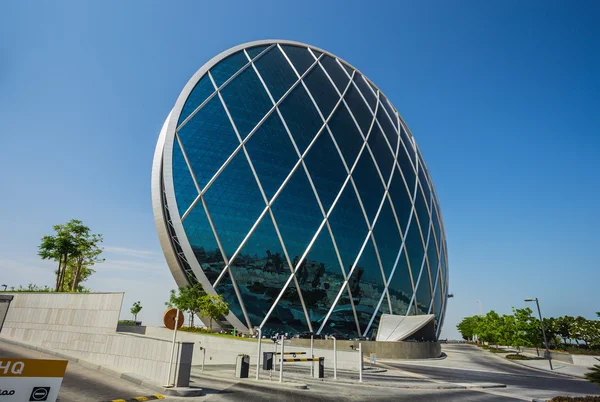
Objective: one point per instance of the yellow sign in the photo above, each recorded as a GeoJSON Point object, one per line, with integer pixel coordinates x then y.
{"type": "Point", "coordinates": [24, 380]}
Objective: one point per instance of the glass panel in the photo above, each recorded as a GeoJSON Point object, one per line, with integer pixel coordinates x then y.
{"type": "Point", "coordinates": [387, 238]}
{"type": "Point", "coordinates": [320, 278]}
{"type": "Point", "coordinates": [390, 110]}
{"type": "Point", "coordinates": [321, 90]}
{"type": "Point", "coordinates": [359, 109]}
{"type": "Point", "coordinates": [276, 72]}
{"type": "Point", "coordinates": [336, 73]}
{"type": "Point", "coordinates": [366, 90]}
{"type": "Point", "coordinates": [316, 52]}
{"type": "Point", "coordinates": [368, 184]}
{"type": "Point", "coordinates": [414, 249]}
{"type": "Point", "coordinates": [185, 189]}
{"type": "Point", "coordinates": [437, 300]}
{"type": "Point", "coordinates": [225, 288]}
{"type": "Point", "coordinates": [201, 91]}
{"type": "Point", "coordinates": [341, 322]}
{"type": "Point", "coordinates": [421, 209]}
{"type": "Point", "coordinates": [401, 200]}
{"type": "Point", "coordinates": [348, 69]}
{"type": "Point", "coordinates": [436, 228]}
{"type": "Point", "coordinates": [246, 100]}
{"type": "Point", "coordinates": [326, 169]}
{"type": "Point", "coordinates": [382, 153]}
{"type": "Point", "coordinates": [410, 149]}
{"type": "Point", "coordinates": [297, 214]}
{"type": "Point", "coordinates": [227, 67]}
{"type": "Point", "coordinates": [203, 243]}
{"type": "Point", "coordinates": [208, 140]}
{"type": "Point", "coordinates": [400, 287]}
{"type": "Point", "coordinates": [299, 56]}
{"type": "Point", "coordinates": [387, 127]}
{"type": "Point", "coordinates": [261, 271]}
{"type": "Point", "coordinates": [301, 117]}
{"type": "Point", "coordinates": [348, 226]}
{"type": "Point", "coordinates": [423, 180]}
{"type": "Point", "coordinates": [423, 293]}
{"type": "Point", "coordinates": [255, 51]}
{"type": "Point", "coordinates": [366, 285]}
{"type": "Point", "coordinates": [383, 309]}
{"type": "Point", "coordinates": [346, 135]}
{"type": "Point", "coordinates": [234, 203]}
{"type": "Point", "coordinates": [272, 154]}
{"type": "Point", "coordinates": [407, 169]}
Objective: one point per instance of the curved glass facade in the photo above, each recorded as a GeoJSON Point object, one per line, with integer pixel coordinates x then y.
{"type": "Point", "coordinates": [289, 184]}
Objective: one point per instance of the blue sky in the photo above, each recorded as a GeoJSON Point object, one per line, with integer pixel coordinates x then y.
{"type": "Point", "coordinates": [503, 99]}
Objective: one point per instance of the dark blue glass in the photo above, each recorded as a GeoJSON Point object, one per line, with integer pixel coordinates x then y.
{"type": "Point", "coordinates": [369, 185]}
{"type": "Point", "coordinates": [272, 154]}
{"type": "Point", "coordinates": [437, 303]}
{"type": "Point", "coordinates": [320, 278]}
{"type": "Point", "coordinates": [414, 248]}
{"type": "Point", "coordinates": [423, 296]}
{"type": "Point", "coordinates": [366, 285]}
{"type": "Point", "coordinates": [226, 68]}
{"type": "Point", "coordinates": [203, 242]}
{"type": "Point", "coordinates": [348, 69]}
{"type": "Point", "coordinates": [400, 287]}
{"type": "Point", "coordinates": [401, 200]}
{"type": "Point", "coordinates": [321, 90]}
{"type": "Point", "coordinates": [203, 89]}
{"type": "Point", "coordinates": [316, 52]}
{"type": "Point", "coordinates": [407, 169]}
{"type": "Point", "coordinates": [208, 140]}
{"type": "Point", "coordinates": [422, 178]}
{"type": "Point", "coordinates": [410, 149]}
{"type": "Point", "coordinates": [246, 100]}
{"type": "Point", "coordinates": [255, 51]}
{"type": "Point", "coordinates": [421, 210]}
{"type": "Point", "coordinates": [391, 114]}
{"type": "Point", "coordinates": [326, 169]}
{"type": "Point", "coordinates": [301, 117]}
{"type": "Point", "coordinates": [346, 135]}
{"type": "Point", "coordinates": [436, 228]}
{"type": "Point", "coordinates": [341, 322]}
{"type": "Point", "coordinates": [387, 127]}
{"type": "Point", "coordinates": [387, 238]}
{"type": "Point", "coordinates": [339, 77]}
{"type": "Point", "coordinates": [234, 203]}
{"type": "Point", "coordinates": [185, 189]}
{"type": "Point", "coordinates": [276, 72]}
{"type": "Point", "coordinates": [225, 288]}
{"type": "Point", "coordinates": [366, 91]}
{"type": "Point", "coordinates": [299, 56]}
{"type": "Point", "coordinates": [297, 214]}
{"type": "Point", "coordinates": [382, 153]}
{"type": "Point", "coordinates": [383, 309]}
{"type": "Point", "coordinates": [348, 226]}
{"type": "Point", "coordinates": [261, 271]}
{"type": "Point", "coordinates": [359, 109]}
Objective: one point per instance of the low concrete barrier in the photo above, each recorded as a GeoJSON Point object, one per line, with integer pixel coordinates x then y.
{"type": "Point", "coordinates": [384, 350]}
{"type": "Point", "coordinates": [579, 360]}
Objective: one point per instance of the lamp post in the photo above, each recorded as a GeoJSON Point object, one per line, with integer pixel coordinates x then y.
{"type": "Point", "coordinates": [480, 308]}
{"type": "Point", "coordinates": [543, 331]}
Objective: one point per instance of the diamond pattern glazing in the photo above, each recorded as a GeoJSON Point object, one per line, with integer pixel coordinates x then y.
{"type": "Point", "coordinates": [325, 238]}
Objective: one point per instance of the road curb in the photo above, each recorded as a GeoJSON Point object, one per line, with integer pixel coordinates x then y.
{"type": "Point", "coordinates": [266, 383]}
{"type": "Point", "coordinates": [127, 376]}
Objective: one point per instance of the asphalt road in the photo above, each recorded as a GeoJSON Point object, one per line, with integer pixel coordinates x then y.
{"type": "Point", "coordinates": [465, 363]}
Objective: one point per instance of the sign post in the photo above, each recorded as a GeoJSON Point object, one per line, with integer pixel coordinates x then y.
{"type": "Point", "coordinates": [23, 380]}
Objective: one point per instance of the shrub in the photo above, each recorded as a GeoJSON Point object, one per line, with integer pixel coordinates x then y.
{"type": "Point", "coordinates": [498, 350]}
{"type": "Point", "coordinates": [514, 356]}
{"type": "Point", "coordinates": [594, 374]}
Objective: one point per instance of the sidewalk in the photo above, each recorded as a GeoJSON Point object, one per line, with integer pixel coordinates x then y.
{"type": "Point", "coordinates": [558, 366]}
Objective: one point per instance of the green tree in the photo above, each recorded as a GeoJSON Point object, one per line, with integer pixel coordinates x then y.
{"type": "Point", "coordinates": [72, 245]}
{"type": "Point", "coordinates": [467, 327]}
{"type": "Point", "coordinates": [527, 328]}
{"type": "Point", "coordinates": [187, 299]}
{"type": "Point", "coordinates": [213, 307]}
{"type": "Point", "coordinates": [489, 328]}
{"type": "Point", "coordinates": [135, 309]}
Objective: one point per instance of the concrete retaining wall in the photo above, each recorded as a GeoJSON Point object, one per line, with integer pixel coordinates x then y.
{"type": "Point", "coordinates": [83, 325]}
{"type": "Point", "coordinates": [384, 350]}
{"type": "Point", "coordinates": [579, 360]}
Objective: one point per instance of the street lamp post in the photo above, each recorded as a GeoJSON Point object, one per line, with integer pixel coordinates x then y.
{"type": "Point", "coordinates": [543, 331]}
{"type": "Point", "coordinates": [480, 308]}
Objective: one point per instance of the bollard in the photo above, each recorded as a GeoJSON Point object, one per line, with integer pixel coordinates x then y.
{"type": "Point", "coordinates": [281, 360]}
{"type": "Point", "coordinates": [258, 353]}
{"type": "Point", "coordinates": [242, 366]}
{"type": "Point", "coordinates": [312, 354]}
{"type": "Point", "coordinates": [203, 356]}
{"type": "Point", "coordinates": [268, 361]}
{"type": "Point", "coordinates": [273, 366]}
{"type": "Point", "coordinates": [360, 363]}
{"type": "Point", "coordinates": [320, 372]}
{"type": "Point", "coordinates": [334, 358]}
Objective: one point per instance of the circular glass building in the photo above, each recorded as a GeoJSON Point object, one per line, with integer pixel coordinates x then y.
{"type": "Point", "coordinates": [285, 181]}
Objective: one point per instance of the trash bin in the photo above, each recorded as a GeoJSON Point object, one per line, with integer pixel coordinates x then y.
{"type": "Point", "coordinates": [320, 371]}
{"type": "Point", "coordinates": [242, 366]}
{"type": "Point", "coordinates": [268, 360]}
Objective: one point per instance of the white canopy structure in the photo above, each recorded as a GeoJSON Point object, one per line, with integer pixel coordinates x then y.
{"type": "Point", "coordinates": [399, 327]}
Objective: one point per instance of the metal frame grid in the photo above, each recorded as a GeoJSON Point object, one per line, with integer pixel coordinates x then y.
{"type": "Point", "coordinates": [176, 246]}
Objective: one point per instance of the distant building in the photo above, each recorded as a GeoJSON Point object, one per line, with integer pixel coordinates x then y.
{"type": "Point", "coordinates": [279, 157]}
